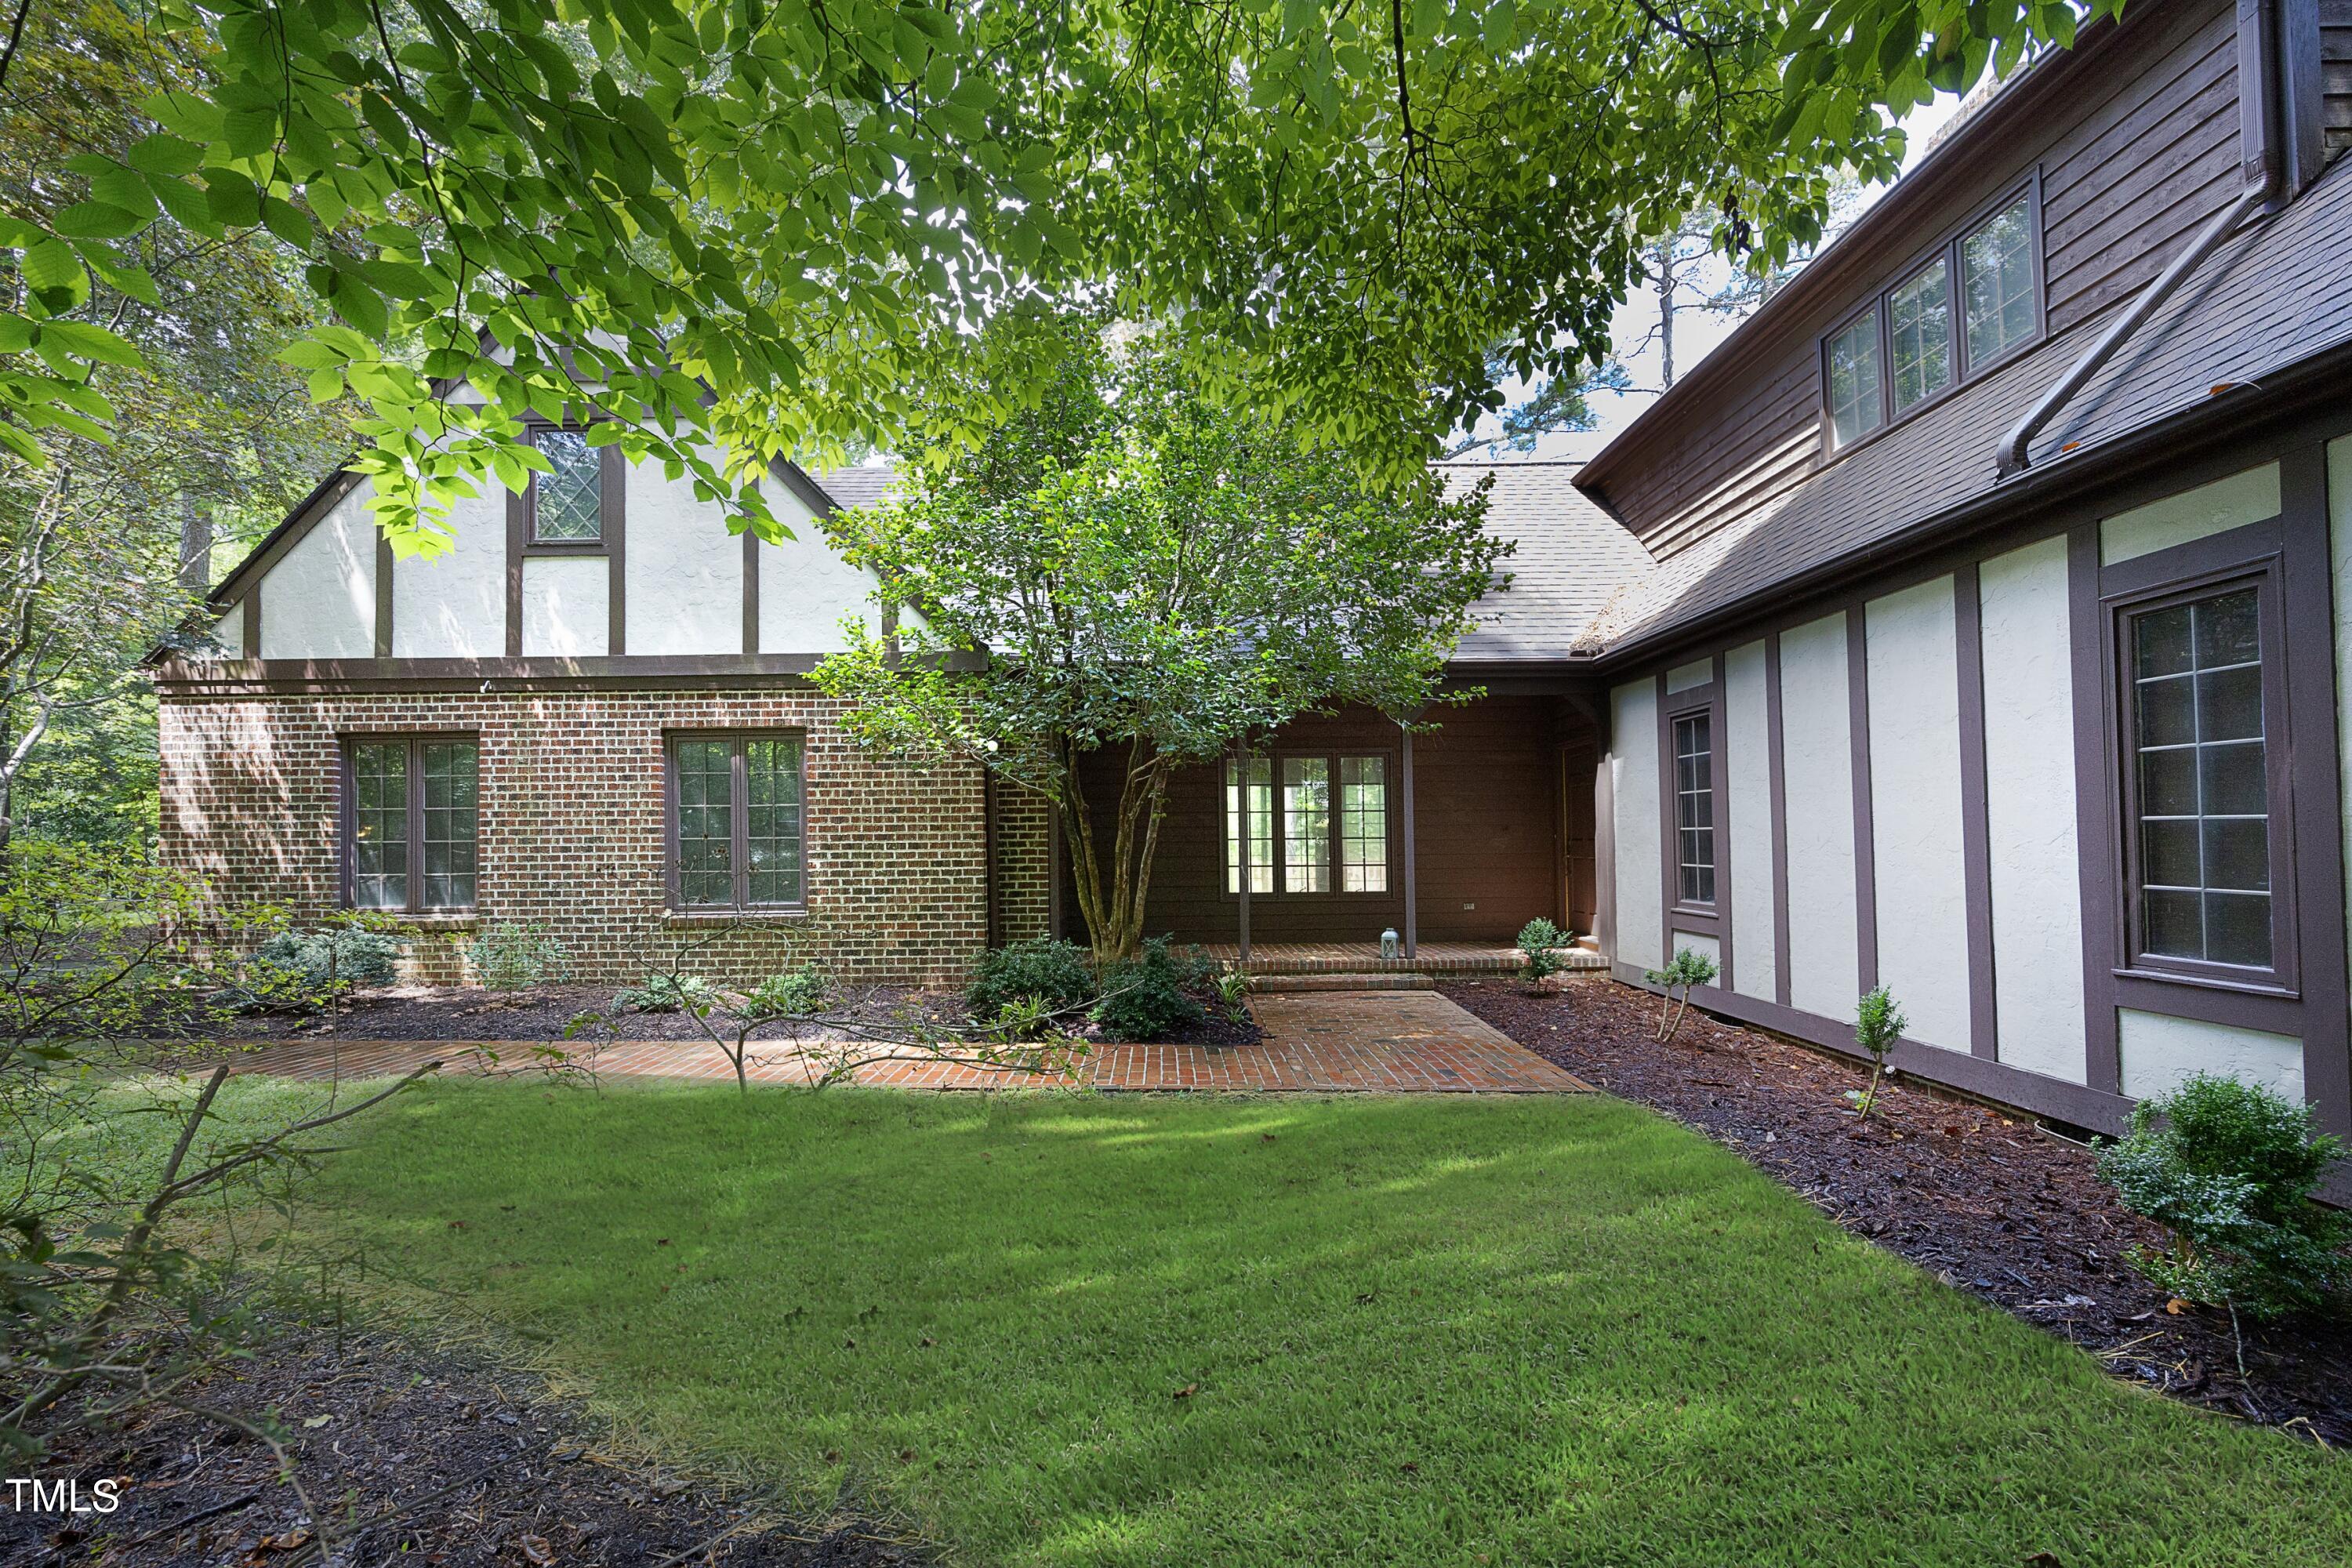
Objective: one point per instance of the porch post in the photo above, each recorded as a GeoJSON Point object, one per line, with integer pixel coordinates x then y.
{"type": "Point", "coordinates": [1412, 921]}
{"type": "Point", "coordinates": [1240, 765]}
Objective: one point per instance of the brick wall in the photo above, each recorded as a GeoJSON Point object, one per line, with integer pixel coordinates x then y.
{"type": "Point", "coordinates": [1024, 822]}
{"type": "Point", "coordinates": [572, 832]}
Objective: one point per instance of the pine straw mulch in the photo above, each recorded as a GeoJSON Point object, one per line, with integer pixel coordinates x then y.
{"type": "Point", "coordinates": [1988, 1200]}
{"type": "Point", "coordinates": [414, 1456]}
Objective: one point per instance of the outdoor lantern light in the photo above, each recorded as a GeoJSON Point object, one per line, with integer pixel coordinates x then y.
{"type": "Point", "coordinates": [1389, 943]}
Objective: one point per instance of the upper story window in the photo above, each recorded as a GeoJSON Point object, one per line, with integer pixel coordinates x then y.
{"type": "Point", "coordinates": [1330, 817]}
{"type": "Point", "coordinates": [1953, 317]}
{"type": "Point", "coordinates": [567, 504]}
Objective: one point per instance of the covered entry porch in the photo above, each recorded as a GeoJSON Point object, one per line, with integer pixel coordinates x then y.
{"type": "Point", "coordinates": [1344, 827]}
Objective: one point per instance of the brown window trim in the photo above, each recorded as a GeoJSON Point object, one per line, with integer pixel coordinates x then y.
{"type": "Point", "coordinates": [2252, 555]}
{"type": "Point", "coordinates": [347, 796]}
{"type": "Point", "coordinates": [522, 543]}
{"type": "Point", "coordinates": [1948, 251]}
{"type": "Point", "coordinates": [739, 852]}
{"type": "Point", "coordinates": [1388, 762]}
{"type": "Point", "coordinates": [1702, 920]}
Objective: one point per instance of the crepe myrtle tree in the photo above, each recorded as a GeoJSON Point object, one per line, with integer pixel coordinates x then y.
{"type": "Point", "coordinates": [731, 229]}
{"type": "Point", "coordinates": [1128, 564]}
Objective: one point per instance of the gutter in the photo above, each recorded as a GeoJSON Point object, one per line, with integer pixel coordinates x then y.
{"type": "Point", "coordinates": [2264, 179]}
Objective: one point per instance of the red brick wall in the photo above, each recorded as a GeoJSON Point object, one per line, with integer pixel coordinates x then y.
{"type": "Point", "coordinates": [572, 831]}
{"type": "Point", "coordinates": [1025, 821]}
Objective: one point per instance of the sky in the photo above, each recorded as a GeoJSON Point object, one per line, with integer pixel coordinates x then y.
{"type": "Point", "coordinates": [1695, 331]}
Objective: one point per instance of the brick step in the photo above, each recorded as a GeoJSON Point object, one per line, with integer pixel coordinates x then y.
{"type": "Point", "coordinates": [1389, 981]}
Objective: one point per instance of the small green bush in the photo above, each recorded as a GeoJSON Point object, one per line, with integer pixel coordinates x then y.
{"type": "Point", "coordinates": [1689, 968]}
{"type": "Point", "coordinates": [509, 956]}
{"type": "Point", "coordinates": [305, 968]}
{"type": "Point", "coordinates": [794, 992]}
{"type": "Point", "coordinates": [1540, 943]}
{"type": "Point", "coordinates": [2228, 1169]}
{"type": "Point", "coordinates": [1059, 974]}
{"type": "Point", "coordinates": [1148, 996]}
{"type": "Point", "coordinates": [668, 994]}
{"type": "Point", "coordinates": [1878, 1025]}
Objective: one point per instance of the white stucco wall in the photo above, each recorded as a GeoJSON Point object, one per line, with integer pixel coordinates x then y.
{"type": "Point", "coordinates": [228, 634]}
{"type": "Point", "coordinates": [2216, 507]}
{"type": "Point", "coordinates": [685, 569]}
{"type": "Point", "coordinates": [1748, 785]}
{"type": "Point", "coordinates": [319, 600]}
{"type": "Point", "coordinates": [454, 604]}
{"type": "Point", "coordinates": [2158, 1052]}
{"type": "Point", "coordinates": [1917, 856]}
{"type": "Point", "coordinates": [1706, 946]}
{"type": "Point", "coordinates": [566, 609]}
{"type": "Point", "coordinates": [1633, 787]}
{"type": "Point", "coordinates": [1683, 677]}
{"type": "Point", "coordinates": [1817, 762]}
{"type": "Point", "coordinates": [2037, 894]}
{"type": "Point", "coordinates": [806, 589]}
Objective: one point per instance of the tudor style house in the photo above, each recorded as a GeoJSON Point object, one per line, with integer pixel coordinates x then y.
{"type": "Point", "coordinates": [1972, 622]}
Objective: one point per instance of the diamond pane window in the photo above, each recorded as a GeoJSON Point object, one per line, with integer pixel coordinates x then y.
{"type": "Point", "coordinates": [568, 503]}
{"type": "Point", "coordinates": [2203, 793]}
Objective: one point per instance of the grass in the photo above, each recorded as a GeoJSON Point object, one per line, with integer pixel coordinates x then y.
{"type": "Point", "coordinates": [1064, 1331]}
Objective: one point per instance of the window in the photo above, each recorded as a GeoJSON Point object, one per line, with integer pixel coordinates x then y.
{"type": "Point", "coordinates": [410, 823]}
{"type": "Point", "coordinates": [567, 504]}
{"type": "Point", "coordinates": [2201, 799]}
{"type": "Point", "coordinates": [1259, 816]}
{"type": "Point", "coordinates": [1695, 809]}
{"type": "Point", "coordinates": [1855, 406]}
{"type": "Point", "coordinates": [1919, 335]}
{"type": "Point", "coordinates": [1997, 283]}
{"type": "Point", "coordinates": [1302, 841]}
{"type": "Point", "coordinates": [736, 827]}
{"type": "Point", "coordinates": [1914, 341]}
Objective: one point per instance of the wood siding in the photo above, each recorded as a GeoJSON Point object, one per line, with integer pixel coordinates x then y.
{"type": "Point", "coordinates": [2137, 149]}
{"type": "Point", "coordinates": [2335, 73]}
{"type": "Point", "coordinates": [1488, 808]}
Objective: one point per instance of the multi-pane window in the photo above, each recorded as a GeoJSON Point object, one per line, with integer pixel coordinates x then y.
{"type": "Point", "coordinates": [1997, 283]}
{"type": "Point", "coordinates": [1255, 817]}
{"type": "Point", "coordinates": [1363, 824]}
{"type": "Point", "coordinates": [1307, 825]}
{"type": "Point", "coordinates": [1303, 839]}
{"type": "Point", "coordinates": [1855, 404]}
{"type": "Point", "coordinates": [1695, 809]}
{"type": "Point", "coordinates": [567, 503]}
{"type": "Point", "coordinates": [2203, 793]}
{"type": "Point", "coordinates": [1919, 335]}
{"type": "Point", "coordinates": [1952, 317]}
{"type": "Point", "coordinates": [736, 825]}
{"type": "Point", "coordinates": [412, 822]}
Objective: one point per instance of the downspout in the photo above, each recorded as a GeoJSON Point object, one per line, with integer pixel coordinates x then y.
{"type": "Point", "coordinates": [2261, 176]}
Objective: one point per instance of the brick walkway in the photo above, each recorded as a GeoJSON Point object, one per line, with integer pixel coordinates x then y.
{"type": "Point", "coordinates": [1397, 1043]}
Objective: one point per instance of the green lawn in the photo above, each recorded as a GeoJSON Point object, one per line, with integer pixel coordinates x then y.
{"type": "Point", "coordinates": [1404, 1331]}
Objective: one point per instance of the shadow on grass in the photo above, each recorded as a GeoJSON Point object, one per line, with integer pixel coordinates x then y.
{"type": "Point", "coordinates": [1065, 1330]}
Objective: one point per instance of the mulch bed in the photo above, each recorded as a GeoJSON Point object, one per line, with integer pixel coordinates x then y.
{"type": "Point", "coordinates": [415, 1458]}
{"type": "Point", "coordinates": [1988, 1200]}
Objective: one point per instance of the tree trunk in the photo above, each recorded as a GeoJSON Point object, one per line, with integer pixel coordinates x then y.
{"type": "Point", "coordinates": [1111, 886]}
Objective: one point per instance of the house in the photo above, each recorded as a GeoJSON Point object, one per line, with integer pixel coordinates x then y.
{"type": "Point", "coordinates": [1970, 622]}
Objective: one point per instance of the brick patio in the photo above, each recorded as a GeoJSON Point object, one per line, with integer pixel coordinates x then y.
{"type": "Point", "coordinates": [1394, 1042]}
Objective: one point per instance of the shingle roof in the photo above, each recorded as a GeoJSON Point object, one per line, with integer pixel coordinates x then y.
{"type": "Point", "coordinates": [2277, 293]}
{"type": "Point", "coordinates": [861, 485]}
{"type": "Point", "coordinates": [1571, 557]}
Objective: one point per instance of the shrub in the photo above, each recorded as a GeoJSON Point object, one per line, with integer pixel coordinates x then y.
{"type": "Point", "coordinates": [1540, 946]}
{"type": "Point", "coordinates": [1148, 996]}
{"type": "Point", "coordinates": [508, 956]}
{"type": "Point", "coordinates": [2228, 1168]}
{"type": "Point", "coordinates": [1689, 968]}
{"type": "Point", "coordinates": [1878, 1023]}
{"type": "Point", "coordinates": [305, 968]}
{"type": "Point", "coordinates": [1059, 974]}
{"type": "Point", "coordinates": [664, 993]}
{"type": "Point", "coordinates": [793, 993]}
